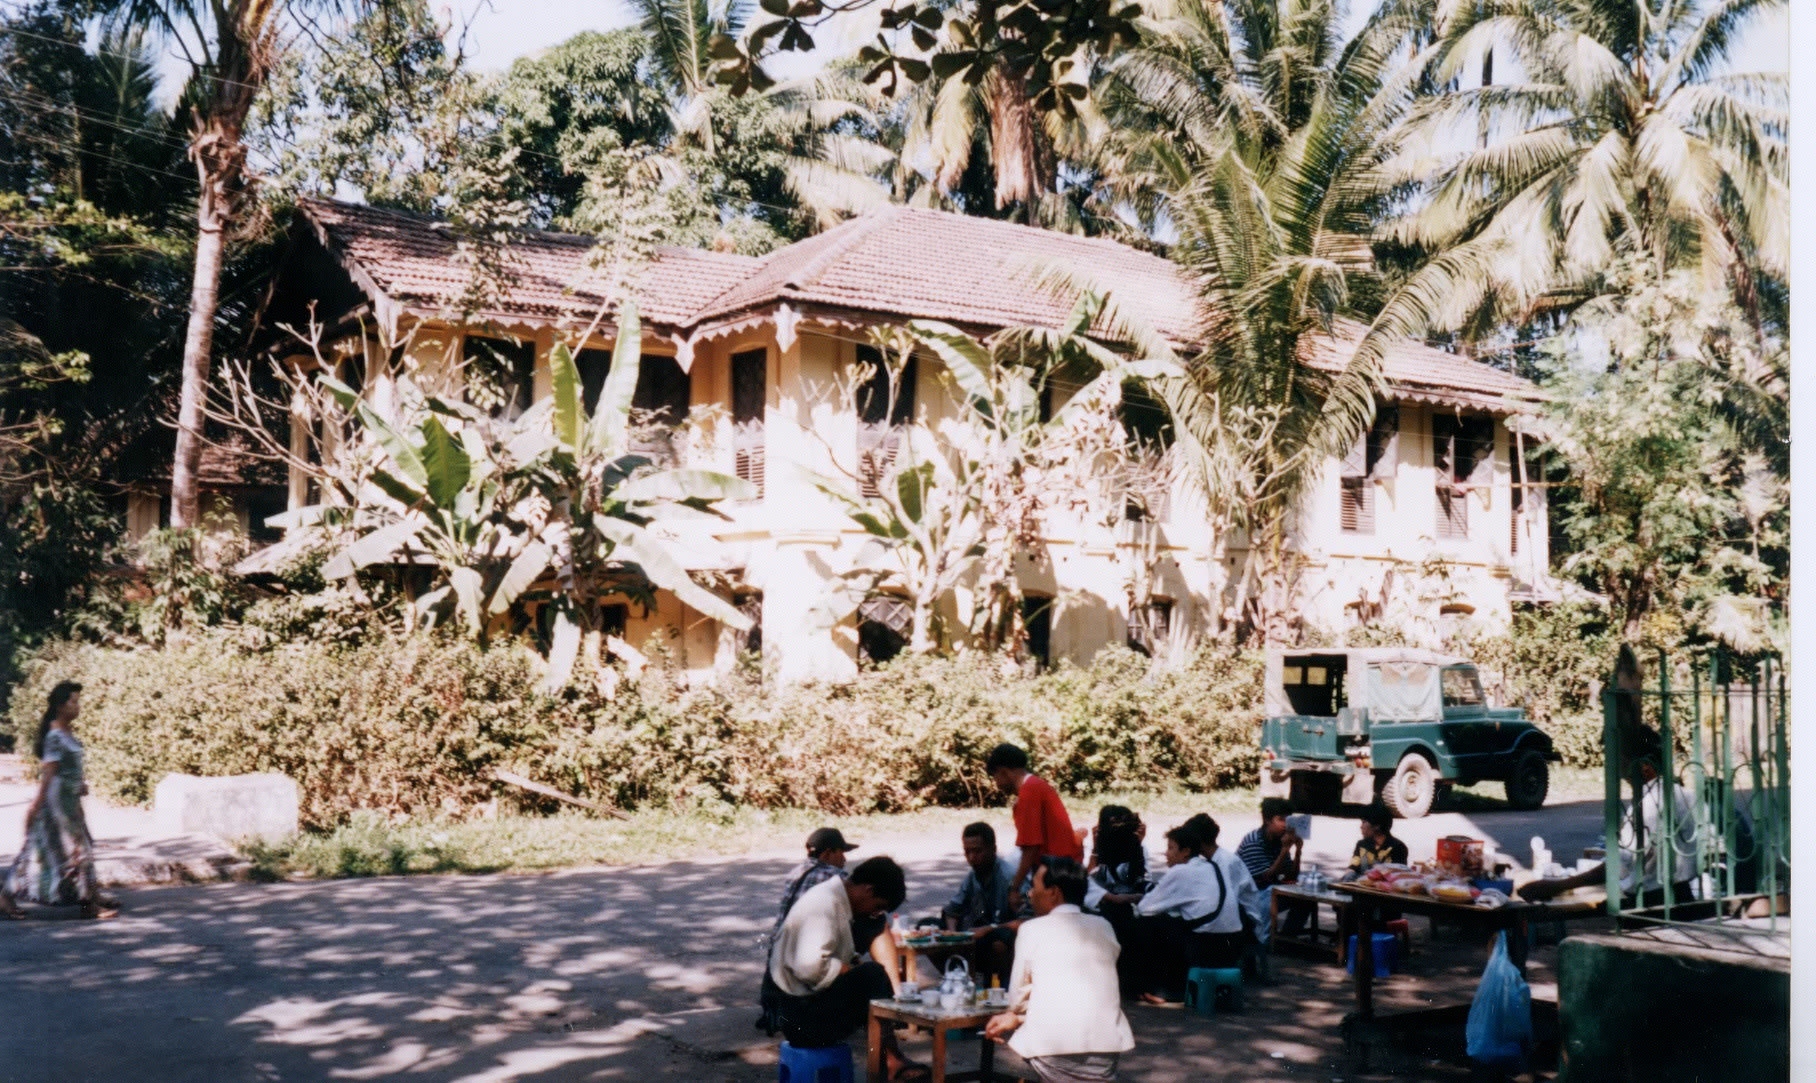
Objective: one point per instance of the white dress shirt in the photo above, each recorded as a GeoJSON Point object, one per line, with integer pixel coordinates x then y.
{"type": "Point", "coordinates": [1644, 860]}
{"type": "Point", "coordinates": [1064, 987]}
{"type": "Point", "coordinates": [1190, 891]}
{"type": "Point", "coordinates": [814, 944]}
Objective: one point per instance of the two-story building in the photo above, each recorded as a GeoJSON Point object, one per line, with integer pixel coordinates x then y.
{"type": "Point", "coordinates": [747, 357]}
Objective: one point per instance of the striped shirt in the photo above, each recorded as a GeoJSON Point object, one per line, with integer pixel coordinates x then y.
{"type": "Point", "coordinates": [1257, 853]}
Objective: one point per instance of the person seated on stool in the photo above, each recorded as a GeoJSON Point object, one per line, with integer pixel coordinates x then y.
{"type": "Point", "coordinates": [1377, 846]}
{"type": "Point", "coordinates": [981, 906]}
{"type": "Point", "coordinates": [1271, 854]}
{"type": "Point", "coordinates": [1192, 918]}
{"type": "Point", "coordinates": [1118, 879]}
{"type": "Point", "coordinates": [1065, 1016]}
{"type": "Point", "coordinates": [825, 993]}
{"type": "Point", "coordinates": [826, 850]}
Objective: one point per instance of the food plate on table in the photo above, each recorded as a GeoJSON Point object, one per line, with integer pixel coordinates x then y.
{"type": "Point", "coordinates": [953, 938]}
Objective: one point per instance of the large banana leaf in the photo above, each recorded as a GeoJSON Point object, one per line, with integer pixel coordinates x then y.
{"type": "Point", "coordinates": [377, 546]}
{"type": "Point", "coordinates": [522, 574]}
{"type": "Point", "coordinates": [680, 485]}
{"type": "Point", "coordinates": [564, 647]}
{"type": "Point", "coordinates": [609, 431]}
{"type": "Point", "coordinates": [967, 360]}
{"type": "Point", "coordinates": [570, 411]}
{"type": "Point", "coordinates": [635, 545]}
{"type": "Point", "coordinates": [445, 463]}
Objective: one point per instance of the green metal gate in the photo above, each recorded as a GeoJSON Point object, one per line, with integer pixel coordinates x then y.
{"type": "Point", "coordinates": [1719, 728]}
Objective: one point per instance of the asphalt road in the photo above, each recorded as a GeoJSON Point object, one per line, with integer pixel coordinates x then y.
{"type": "Point", "coordinates": [634, 973]}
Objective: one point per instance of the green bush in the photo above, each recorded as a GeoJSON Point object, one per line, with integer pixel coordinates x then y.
{"type": "Point", "coordinates": [417, 725]}
{"type": "Point", "coordinates": [1551, 661]}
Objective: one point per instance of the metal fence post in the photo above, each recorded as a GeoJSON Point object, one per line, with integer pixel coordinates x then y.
{"type": "Point", "coordinates": [1611, 795]}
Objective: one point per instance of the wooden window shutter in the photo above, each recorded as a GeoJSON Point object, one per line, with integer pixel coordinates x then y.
{"type": "Point", "coordinates": [1358, 511]}
{"type": "Point", "coordinates": [594, 366]}
{"type": "Point", "coordinates": [1355, 463]}
{"type": "Point", "coordinates": [881, 420]}
{"type": "Point", "coordinates": [1384, 443]}
{"type": "Point", "coordinates": [749, 399]}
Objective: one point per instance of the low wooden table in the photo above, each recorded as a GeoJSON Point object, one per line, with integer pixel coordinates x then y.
{"type": "Point", "coordinates": [1284, 895]}
{"type": "Point", "coordinates": [939, 1021]}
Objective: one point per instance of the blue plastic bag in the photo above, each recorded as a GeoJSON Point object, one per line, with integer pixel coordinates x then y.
{"type": "Point", "coordinates": [1500, 1019]}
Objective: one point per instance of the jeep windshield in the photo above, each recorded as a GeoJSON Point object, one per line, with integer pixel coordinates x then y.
{"type": "Point", "coordinates": [1462, 687]}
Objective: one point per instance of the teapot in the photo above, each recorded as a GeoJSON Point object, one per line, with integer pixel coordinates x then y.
{"type": "Point", "coordinates": [958, 981]}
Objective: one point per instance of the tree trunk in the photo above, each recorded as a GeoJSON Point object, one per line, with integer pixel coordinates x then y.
{"type": "Point", "coordinates": [1015, 144]}
{"type": "Point", "coordinates": [242, 57]}
{"type": "Point", "coordinates": [198, 347]}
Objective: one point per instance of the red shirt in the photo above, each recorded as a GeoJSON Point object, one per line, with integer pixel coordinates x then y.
{"type": "Point", "coordinates": [1041, 821]}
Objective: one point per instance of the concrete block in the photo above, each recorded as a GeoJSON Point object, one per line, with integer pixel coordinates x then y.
{"type": "Point", "coordinates": [235, 807]}
{"type": "Point", "coordinates": [1681, 1005]}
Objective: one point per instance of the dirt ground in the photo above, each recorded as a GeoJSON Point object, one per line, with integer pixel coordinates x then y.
{"type": "Point", "coordinates": [637, 973]}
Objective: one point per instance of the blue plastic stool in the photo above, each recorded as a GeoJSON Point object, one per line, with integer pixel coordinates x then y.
{"type": "Point", "coordinates": [1203, 984]}
{"type": "Point", "coordinates": [1387, 951]}
{"type": "Point", "coordinates": [829, 1065]}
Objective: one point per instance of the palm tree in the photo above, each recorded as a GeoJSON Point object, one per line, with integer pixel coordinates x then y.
{"type": "Point", "coordinates": [1265, 140]}
{"type": "Point", "coordinates": [1624, 133]}
{"type": "Point", "coordinates": [231, 46]}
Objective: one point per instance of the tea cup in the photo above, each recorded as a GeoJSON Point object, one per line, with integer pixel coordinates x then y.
{"type": "Point", "coordinates": [910, 990]}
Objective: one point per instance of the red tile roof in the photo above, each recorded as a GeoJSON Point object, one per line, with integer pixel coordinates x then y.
{"type": "Point", "coordinates": [410, 258]}
{"type": "Point", "coordinates": [894, 263]}
{"type": "Point", "coordinates": [926, 264]}
{"type": "Point", "coordinates": [1417, 372]}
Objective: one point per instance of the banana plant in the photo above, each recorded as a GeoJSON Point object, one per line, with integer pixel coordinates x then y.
{"type": "Point", "coordinates": [961, 506]}
{"type": "Point", "coordinates": [548, 509]}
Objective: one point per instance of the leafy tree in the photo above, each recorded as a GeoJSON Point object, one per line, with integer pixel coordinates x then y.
{"type": "Point", "coordinates": [384, 107]}
{"type": "Point", "coordinates": [603, 118]}
{"type": "Point", "coordinates": [1623, 132]}
{"type": "Point", "coordinates": [84, 123]}
{"type": "Point", "coordinates": [1036, 45]}
{"type": "Point", "coordinates": [1267, 136]}
{"type": "Point", "coordinates": [1672, 418]}
{"type": "Point", "coordinates": [89, 282]}
{"type": "Point", "coordinates": [232, 46]}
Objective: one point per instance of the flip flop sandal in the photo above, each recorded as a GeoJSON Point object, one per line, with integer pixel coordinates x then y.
{"type": "Point", "coordinates": [912, 1073]}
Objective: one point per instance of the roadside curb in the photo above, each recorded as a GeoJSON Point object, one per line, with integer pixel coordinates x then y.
{"type": "Point", "coordinates": [129, 852]}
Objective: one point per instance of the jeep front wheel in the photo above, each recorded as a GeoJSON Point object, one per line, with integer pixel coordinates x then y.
{"type": "Point", "coordinates": [1409, 793]}
{"type": "Point", "coordinates": [1530, 781]}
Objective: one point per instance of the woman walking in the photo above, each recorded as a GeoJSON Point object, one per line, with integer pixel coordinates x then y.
{"type": "Point", "coordinates": [57, 862]}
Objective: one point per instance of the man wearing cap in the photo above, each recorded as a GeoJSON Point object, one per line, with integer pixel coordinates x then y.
{"type": "Point", "coordinates": [826, 850]}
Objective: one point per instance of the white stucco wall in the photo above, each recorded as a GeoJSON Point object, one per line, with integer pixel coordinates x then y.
{"type": "Point", "coordinates": [794, 539]}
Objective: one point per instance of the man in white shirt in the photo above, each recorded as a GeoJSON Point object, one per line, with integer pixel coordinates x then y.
{"type": "Point", "coordinates": [825, 993]}
{"type": "Point", "coordinates": [1065, 1011]}
{"type": "Point", "coordinates": [1193, 917]}
{"type": "Point", "coordinates": [1641, 885]}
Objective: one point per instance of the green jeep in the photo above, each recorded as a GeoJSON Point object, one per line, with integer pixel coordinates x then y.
{"type": "Point", "coordinates": [1352, 724]}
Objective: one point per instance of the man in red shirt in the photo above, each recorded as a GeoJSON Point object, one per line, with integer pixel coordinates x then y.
{"type": "Point", "coordinates": [1042, 826]}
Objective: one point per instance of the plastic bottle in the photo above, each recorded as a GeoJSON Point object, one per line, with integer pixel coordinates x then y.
{"type": "Point", "coordinates": [1541, 857]}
